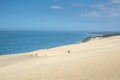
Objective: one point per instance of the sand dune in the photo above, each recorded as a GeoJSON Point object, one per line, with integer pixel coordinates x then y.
{"type": "Point", "coordinates": [97, 59]}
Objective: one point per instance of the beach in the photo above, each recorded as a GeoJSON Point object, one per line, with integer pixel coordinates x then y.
{"type": "Point", "coordinates": [96, 59]}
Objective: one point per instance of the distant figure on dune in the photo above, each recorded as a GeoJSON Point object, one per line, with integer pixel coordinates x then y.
{"type": "Point", "coordinates": [45, 54]}
{"type": "Point", "coordinates": [68, 51]}
{"type": "Point", "coordinates": [31, 55]}
{"type": "Point", "coordinates": [36, 55]}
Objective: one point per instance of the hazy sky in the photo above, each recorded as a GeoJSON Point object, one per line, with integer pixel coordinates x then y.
{"type": "Point", "coordinates": [60, 15]}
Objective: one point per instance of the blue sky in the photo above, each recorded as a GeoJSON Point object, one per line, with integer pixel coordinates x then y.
{"type": "Point", "coordinates": [94, 15]}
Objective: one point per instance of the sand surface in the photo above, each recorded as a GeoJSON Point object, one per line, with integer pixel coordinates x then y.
{"type": "Point", "coordinates": [97, 59]}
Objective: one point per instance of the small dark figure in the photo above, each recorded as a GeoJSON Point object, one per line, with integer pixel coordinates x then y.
{"type": "Point", "coordinates": [36, 55]}
{"type": "Point", "coordinates": [31, 55]}
{"type": "Point", "coordinates": [68, 51]}
{"type": "Point", "coordinates": [45, 54]}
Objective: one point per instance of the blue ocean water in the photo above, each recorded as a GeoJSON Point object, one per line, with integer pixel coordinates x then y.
{"type": "Point", "coordinates": [13, 42]}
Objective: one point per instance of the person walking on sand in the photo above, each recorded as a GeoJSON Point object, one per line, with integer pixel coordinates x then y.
{"type": "Point", "coordinates": [36, 55]}
{"type": "Point", "coordinates": [68, 51]}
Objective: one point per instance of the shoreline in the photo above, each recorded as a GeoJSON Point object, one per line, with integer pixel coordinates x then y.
{"type": "Point", "coordinates": [83, 41]}
{"type": "Point", "coordinates": [33, 53]}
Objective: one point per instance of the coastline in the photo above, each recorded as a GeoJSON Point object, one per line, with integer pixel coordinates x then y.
{"type": "Point", "coordinates": [15, 42]}
{"type": "Point", "coordinates": [85, 61]}
{"type": "Point", "coordinates": [98, 35]}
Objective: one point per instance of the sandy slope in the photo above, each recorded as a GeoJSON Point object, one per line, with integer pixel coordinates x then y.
{"type": "Point", "coordinates": [97, 59]}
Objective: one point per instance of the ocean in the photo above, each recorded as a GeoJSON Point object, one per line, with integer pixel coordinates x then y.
{"type": "Point", "coordinates": [13, 42]}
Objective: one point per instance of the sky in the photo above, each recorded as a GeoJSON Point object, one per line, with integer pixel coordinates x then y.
{"type": "Point", "coordinates": [54, 15]}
